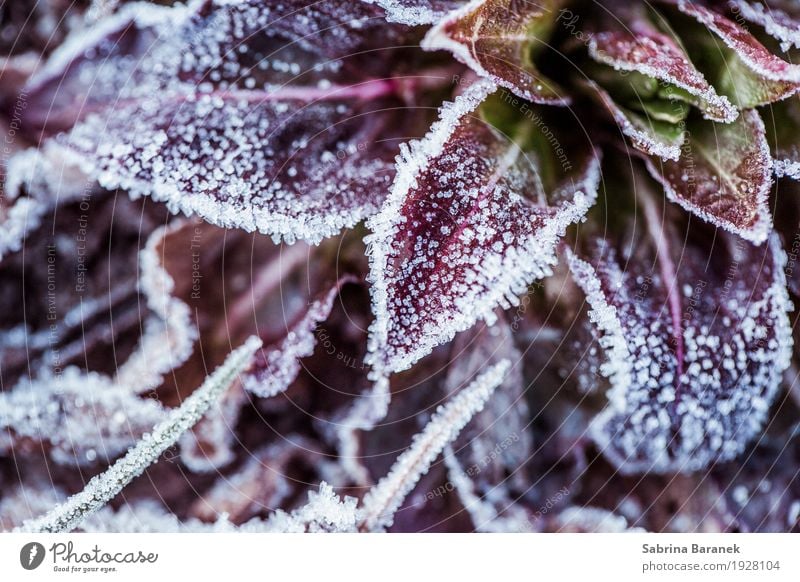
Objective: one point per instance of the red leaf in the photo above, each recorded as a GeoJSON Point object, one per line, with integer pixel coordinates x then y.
{"type": "Point", "coordinates": [496, 37]}
{"type": "Point", "coordinates": [724, 175]}
{"type": "Point", "coordinates": [645, 134]}
{"type": "Point", "coordinates": [275, 367]}
{"type": "Point", "coordinates": [456, 238]}
{"type": "Point", "coordinates": [780, 18]}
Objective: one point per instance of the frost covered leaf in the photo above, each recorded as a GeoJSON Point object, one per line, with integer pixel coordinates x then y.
{"type": "Point", "coordinates": [84, 309]}
{"type": "Point", "coordinates": [169, 334]}
{"type": "Point", "coordinates": [380, 504]}
{"type": "Point", "coordinates": [780, 18]}
{"type": "Point", "coordinates": [763, 490]}
{"type": "Point", "coordinates": [460, 234]}
{"type": "Point", "coordinates": [239, 284]}
{"type": "Point", "coordinates": [32, 27]}
{"type": "Point", "coordinates": [638, 46]}
{"type": "Point", "coordinates": [270, 477]}
{"type": "Point", "coordinates": [498, 39]}
{"type": "Point", "coordinates": [104, 487]}
{"type": "Point", "coordinates": [274, 368]}
{"type": "Point", "coordinates": [724, 175]}
{"type": "Point", "coordinates": [145, 49]}
{"type": "Point", "coordinates": [34, 182]}
{"type": "Point", "coordinates": [192, 106]}
{"type": "Point", "coordinates": [735, 62]}
{"type": "Point", "coordinates": [209, 445]}
{"type": "Point", "coordinates": [290, 167]}
{"type": "Point", "coordinates": [369, 409]}
{"type": "Point", "coordinates": [80, 418]}
{"type": "Point", "coordinates": [506, 417]}
{"type": "Point", "coordinates": [696, 346]}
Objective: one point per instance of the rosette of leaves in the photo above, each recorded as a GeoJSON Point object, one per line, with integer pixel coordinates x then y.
{"type": "Point", "coordinates": [509, 265]}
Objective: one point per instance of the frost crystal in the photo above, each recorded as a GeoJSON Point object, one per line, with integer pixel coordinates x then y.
{"type": "Point", "coordinates": [16, 220]}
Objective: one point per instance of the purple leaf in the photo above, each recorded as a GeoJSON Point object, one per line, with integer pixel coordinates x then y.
{"type": "Point", "coordinates": [647, 135]}
{"type": "Point", "coordinates": [294, 167]}
{"type": "Point", "coordinates": [194, 106]}
{"type": "Point", "coordinates": [486, 462]}
{"type": "Point", "coordinates": [275, 367]}
{"type": "Point", "coordinates": [695, 348]}
{"type": "Point", "coordinates": [457, 237]}
{"type": "Point", "coordinates": [780, 19]}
